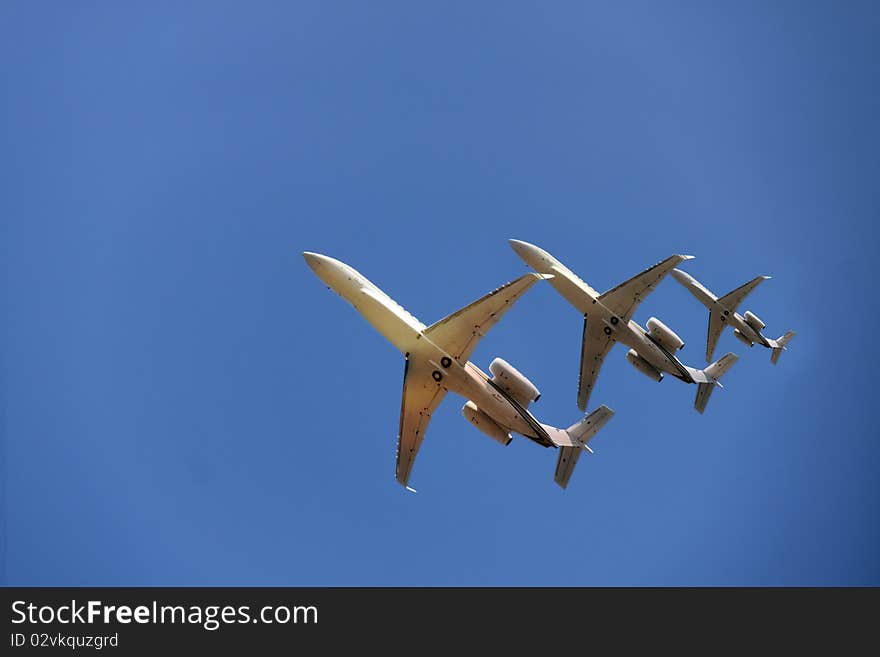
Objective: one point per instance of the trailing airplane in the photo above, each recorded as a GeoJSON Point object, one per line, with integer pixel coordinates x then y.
{"type": "Point", "coordinates": [608, 319]}
{"type": "Point", "coordinates": [437, 363]}
{"type": "Point", "coordinates": [722, 312]}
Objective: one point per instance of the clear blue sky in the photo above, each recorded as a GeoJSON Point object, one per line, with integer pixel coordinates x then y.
{"type": "Point", "coordinates": [185, 403]}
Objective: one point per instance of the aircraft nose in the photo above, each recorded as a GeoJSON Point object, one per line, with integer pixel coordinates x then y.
{"type": "Point", "coordinates": [531, 254]}
{"type": "Point", "coordinates": [524, 250]}
{"type": "Point", "coordinates": [681, 277]}
{"type": "Point", "coordinates": [518, 245]}
{"type": "Point", "coordinates": [315, 260]}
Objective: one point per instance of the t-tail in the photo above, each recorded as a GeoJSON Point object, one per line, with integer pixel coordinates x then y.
{"type": "Point", "coordinates": [708, 379]}
{"type": "Point", "coordinates": [572, 441]}
{"type": "Point", "coordinates": [778, 346]}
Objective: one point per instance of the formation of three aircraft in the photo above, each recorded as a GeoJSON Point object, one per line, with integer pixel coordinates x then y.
{"type": "Point", "coordinates": [437, 356]}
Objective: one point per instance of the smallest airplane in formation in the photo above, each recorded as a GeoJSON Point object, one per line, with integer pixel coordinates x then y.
{"type": "Point", "coordinates": [722, 312]}
{"type": "Point", "coordinates": [437, 362]}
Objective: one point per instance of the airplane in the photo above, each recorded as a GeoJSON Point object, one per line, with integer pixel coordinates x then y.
{"type": "Point", "coordinates": [608, 319]}
{"type": "Point", "coordinates": [722, 312]}
{"type": "Point", "coordinates": [437, 363]}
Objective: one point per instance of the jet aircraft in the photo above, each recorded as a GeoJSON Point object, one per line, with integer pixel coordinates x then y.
{"type": "Point", "coordinates": [722, 312]}
{"type": "Point", "coordinates": [608, 319]}
{"type": "Point", "coordinates": [437, 363]}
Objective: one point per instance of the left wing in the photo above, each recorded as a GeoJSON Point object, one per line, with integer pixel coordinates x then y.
{"type": "Point", "coordinates": [594, 347]}
{"type": "Point", "coordinates": [421, 395]}
{"type": "Point", "coordinates": [459, 333]}
{"type": "Point", "coordinates": [733, 299]}
{"type": "Point", "coordinates": [626, 297]}
{"type": "Point", "coordinates": [716, 326]}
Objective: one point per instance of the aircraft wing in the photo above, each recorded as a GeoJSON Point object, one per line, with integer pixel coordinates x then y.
{"type": "Point", "coordinates": [626, 297]}
{"type": "Point", "coordinates": [459, 333]}
{"type": "Point", "coordinates": [421, 395]}
{"type": "Point", "coordinates": [716, 327]}
{"type": "Point", "coordinates": [594, 348]}
{"type": "Point", "coordinates": [732, 300]}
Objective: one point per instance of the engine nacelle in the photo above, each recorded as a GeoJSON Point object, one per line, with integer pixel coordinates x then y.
{"type": "Point", "coordinates": [742, 338]}
{"type": "Point", "coordinates": [753, 320]}
{"type": "Point", "coordinates": [643, 366]}
{"type": "Point", "coordinates": [664, 335]}
{"type": "Point", "coordinates": [485, 424]}
{"type": "Point", "coordinates": [512, 381]}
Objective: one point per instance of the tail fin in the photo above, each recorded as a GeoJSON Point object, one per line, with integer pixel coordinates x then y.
{"type": "Point", "coordinates": [778, 346]}
{"type": "Point", "coordinates": [573, 440]}
{"type": "Point", "coordinates": [712, 373]}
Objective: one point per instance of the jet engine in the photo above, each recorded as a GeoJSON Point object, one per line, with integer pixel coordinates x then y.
{"type": "Point", "coordinates": [753, 320]}
{"type": "Point", "coordinates": [485, 424]}
{"type": "Point", "coordinates": [644, 366]}
{"type": "Point", "coordinates": [742, 338]}
{"type": "Point", "coordinates": [510, 380]}
{"type": "Point", "coordinates": [664, 335]}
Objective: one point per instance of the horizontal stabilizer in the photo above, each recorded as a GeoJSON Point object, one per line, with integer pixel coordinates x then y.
{"type": "Point", "coordinates": [583, 432]}
{"type": "Point", "coordinates": [704, 391]}
{"type": "Point", "coordinates": [709, 380]}
{"type": "Point", "coordinates": [720, 367]}
{"type": "Point", "coordinates": [574, 439]}
{"type": "Point", "coordinates": [568, 458]}
{"type": "Point", "coordinates": [778, 346]}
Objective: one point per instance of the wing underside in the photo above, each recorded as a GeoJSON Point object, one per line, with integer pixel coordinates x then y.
{"type": "Point", "coordinates": [732, 300]}
{"type": "Point", "coordinates": [459, 333]}
{"type": "Point", "coordinates": [716, 327]}
{"type": "Point", "coordinates": [594, 347]}
{"type": "Point", "coordinates": [626, 297]}
{"type": "Point", "coordinates": [421, 395]}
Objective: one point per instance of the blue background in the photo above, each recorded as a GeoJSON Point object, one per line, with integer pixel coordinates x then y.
{"type": "Point", "coordinates": [185, 403]}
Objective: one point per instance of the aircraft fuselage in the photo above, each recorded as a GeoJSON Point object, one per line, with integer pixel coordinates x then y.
{"type": "Point", "coordinates": [406, 333]}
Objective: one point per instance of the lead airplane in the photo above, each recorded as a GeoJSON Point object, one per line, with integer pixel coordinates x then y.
{"type": "Point", "coordinates": [722, 312]}
{"type": "Point", "coordinates": [437, 363]}
{"type": "Point", "coordinates": [608, 319]}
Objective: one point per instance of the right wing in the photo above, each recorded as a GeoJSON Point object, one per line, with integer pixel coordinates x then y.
{"type": "Point", "coordinates": [594, 347]}
{"type": "Point", "coordinates": [716, 326]}
{"type": "Point", "coordinates": [626, 297]}
{"type": "Point", "coordinates": [459, 333]}
{"type": "Point", "coordinates": [421, 395]}
{"type": "Point", "coordinates": [732, 300]}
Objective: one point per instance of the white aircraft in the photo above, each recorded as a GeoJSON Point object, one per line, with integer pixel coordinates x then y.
{"type": "Point", "coordinates": [608, 319]}
{"type": "Point", "coordinates": [437, 363]}
{"type": "Point", "coordinates": [722, 312]}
